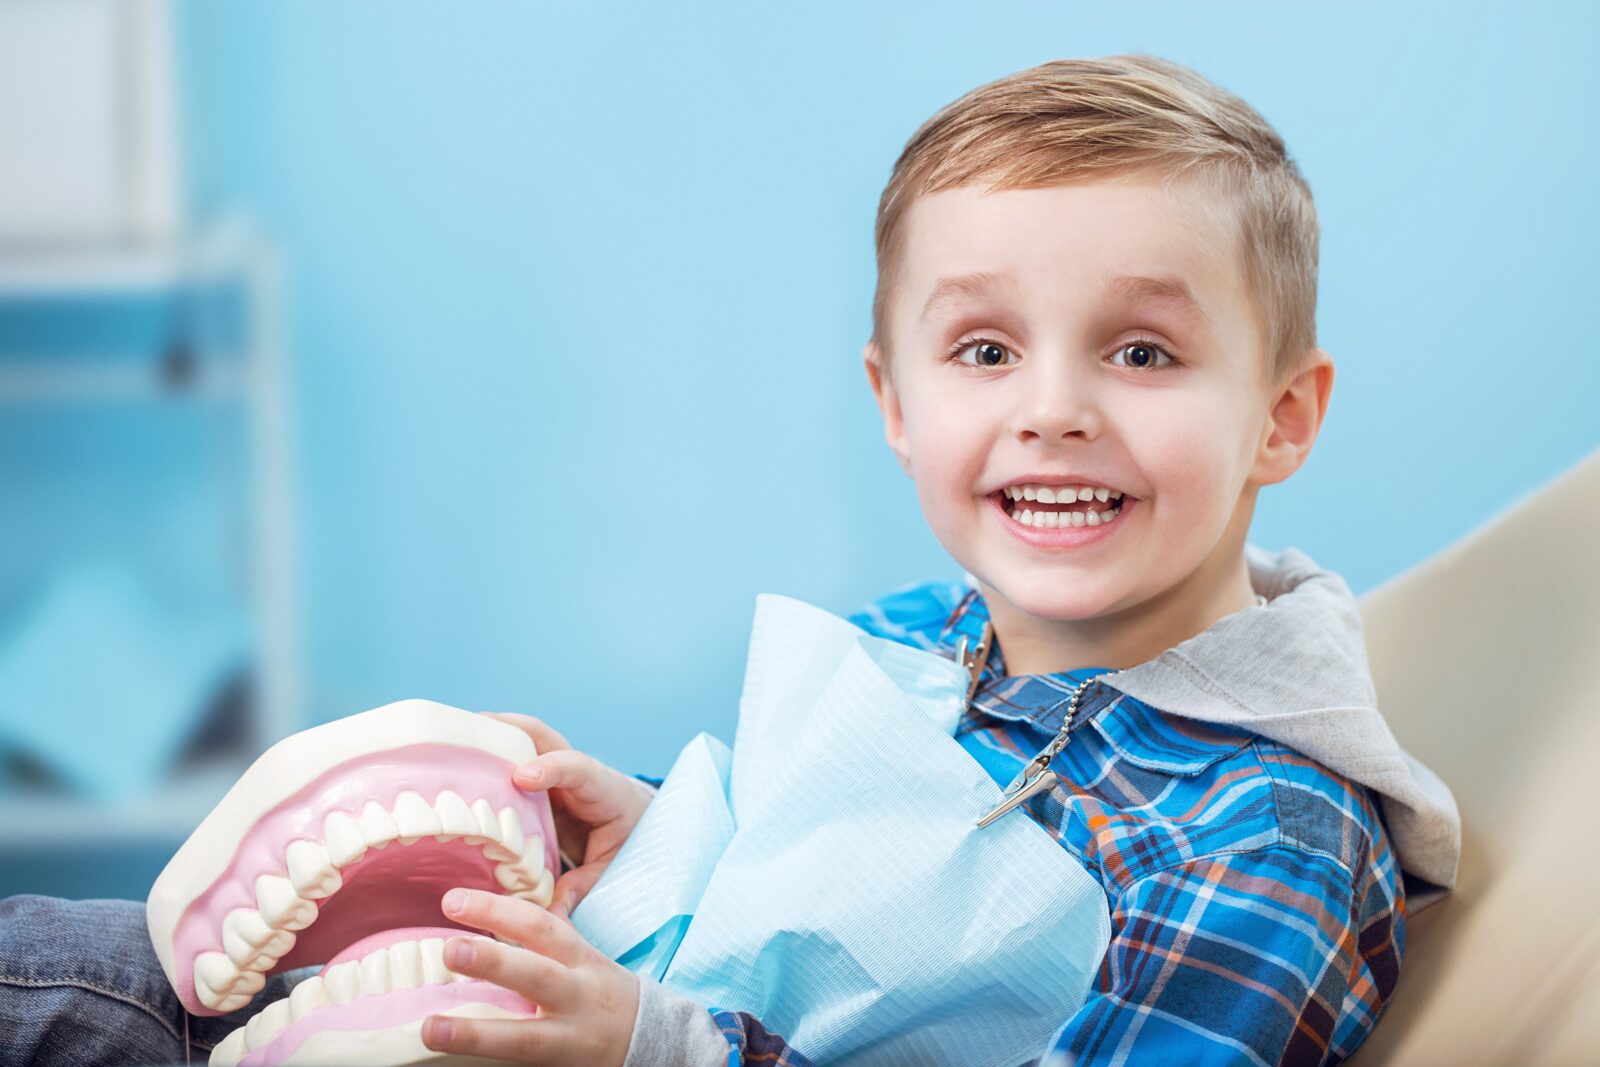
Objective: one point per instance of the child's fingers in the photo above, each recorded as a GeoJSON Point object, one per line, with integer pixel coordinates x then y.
{"type": "Point", "coordinates": [573, 886]}
{"type": "Point", "coordinates": [531, 1041]}
{"type": "Point", "coordinates": [540, 979]}
{"type": "Point", "coordinates": [545, 737]}
{"type": "Point", "coordinates": [582, 776]}
{"type": "Point", "coordinates": [522, 921]}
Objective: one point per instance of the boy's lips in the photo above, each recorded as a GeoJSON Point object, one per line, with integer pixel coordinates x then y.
{"type": "Point", "coordinates": [1064, 536]}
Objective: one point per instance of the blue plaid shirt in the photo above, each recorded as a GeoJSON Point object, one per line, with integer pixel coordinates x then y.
{"type": "Point", "coordinates": [1257, 912]}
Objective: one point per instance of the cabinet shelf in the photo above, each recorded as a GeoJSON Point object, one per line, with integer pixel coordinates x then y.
{"type": "Point", "coordinates": [31, 819]}
{"type": "Point", "coordinates": [31, 382]}
{"type": "Point", "coordinates": [40, 272]}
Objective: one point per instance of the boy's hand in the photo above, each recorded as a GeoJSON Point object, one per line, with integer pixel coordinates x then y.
{"type": "Point", "coordinates": [586, 1002]}
{"type": "Point", "coordinates": [595, 807]}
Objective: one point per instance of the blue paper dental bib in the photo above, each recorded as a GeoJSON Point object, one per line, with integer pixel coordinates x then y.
{"type": "Point", "coordinates": [826, 874]}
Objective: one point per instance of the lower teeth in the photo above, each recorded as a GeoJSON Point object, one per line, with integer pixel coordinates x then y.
{"type": "Point", "coordinates": [1062, 519]}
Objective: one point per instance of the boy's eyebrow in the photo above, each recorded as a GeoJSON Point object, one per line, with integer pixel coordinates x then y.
{"type": "Point", "coordinates": [1168, 289]}
{"type": "Point", "coordinates": [951, 289]}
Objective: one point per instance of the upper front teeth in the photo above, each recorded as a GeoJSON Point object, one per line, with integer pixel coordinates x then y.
{"type": "Point", "coordinates": [1062, 494]}
{"type": "Point", "coordinates": [255, 939]}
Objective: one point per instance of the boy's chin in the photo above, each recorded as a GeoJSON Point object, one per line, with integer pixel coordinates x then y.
{"type": "Point", "coordinates": [1077, 606]}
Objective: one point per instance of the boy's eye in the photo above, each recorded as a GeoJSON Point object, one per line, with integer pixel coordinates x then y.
{"type": "Point", "coordinates": [1142, 354]}
{"type": "Point", "coordinates": [989, 353]}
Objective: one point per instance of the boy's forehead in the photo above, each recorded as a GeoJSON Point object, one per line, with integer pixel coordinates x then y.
{"type": "Point", "coordinates": [1063, 238]}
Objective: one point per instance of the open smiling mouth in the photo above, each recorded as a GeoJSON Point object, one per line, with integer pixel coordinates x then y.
{"type": "Point", "coordinates": [335, 847]}
{"type": "Point", "coordinates": [1063, 510]}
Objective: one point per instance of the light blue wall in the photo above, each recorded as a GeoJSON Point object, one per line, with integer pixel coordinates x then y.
{"type": "Point", "coordinates": [579, 291]}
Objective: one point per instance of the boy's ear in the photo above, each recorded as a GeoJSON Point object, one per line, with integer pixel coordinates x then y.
{"type": "Point", "coordinates": [894, 424]}
{"type": "Point", "coordinates": [1294, 419]}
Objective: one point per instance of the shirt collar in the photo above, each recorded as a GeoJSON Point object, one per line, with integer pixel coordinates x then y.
{"type": "Point", "coordinates": [1039, 699]}
{"type": "Point", "coordinates": [1136, 732]}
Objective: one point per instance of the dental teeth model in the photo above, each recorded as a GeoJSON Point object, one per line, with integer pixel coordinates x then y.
{"type": "Point", "coordinates": [335, 847]}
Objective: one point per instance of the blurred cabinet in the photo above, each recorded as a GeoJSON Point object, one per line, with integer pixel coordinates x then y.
{"type": "Point", "coordinates": [202, 383]}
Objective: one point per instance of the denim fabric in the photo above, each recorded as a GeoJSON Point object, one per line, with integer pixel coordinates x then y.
{"type": "Point", "coordinates": [80, 985]}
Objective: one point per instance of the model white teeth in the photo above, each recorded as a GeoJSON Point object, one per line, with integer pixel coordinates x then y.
{"type": "Point", "coordinates": [489, 827]}
{"type": "Point", "coordinates": [415, 817]}
{"type": "Point", "coordinates": [307, 996]}
{"type": "Point", "coordinates": [405, 965]}
{"type": "Point", "coordinates": [525, 875]}
{"type": "Point", "coordinates": [216, 971]}
{"type": "Point", "coordinates": [519, 881]}
{"type": "Point", "coordinates": [281, 907]}
{"type": "Point", "coordinates": [514, 876]}
{"type": "Point", "coordinates": [521, 872]}
{"type": "Point", "coordinates": [374, 972]}
{"type": "Point", "coordinates": [250, 943]}
{"type": "Point", "coordinates": [343, 837]}
{"type": "Point", "coordinates": [342, 982]}
{"type": "Point", "coordinates": [221, 986]}
{"type": "Point", "coordinates": [542, 892]}
{"type": "Point", "coordinates": [455, 818]}
{"type": "Point", "coordinates": [265, 1024]}
{"type": "Point", "coordinates": [311, 871]}
{"type": "Point", "coordinates": [377, 825]}
{"type": "Point", "coordinates": [230, 1050]}
{"type": "Point", "coordinates": [511, 832]}
{"type": "Point", "coordinates": [434, 972]}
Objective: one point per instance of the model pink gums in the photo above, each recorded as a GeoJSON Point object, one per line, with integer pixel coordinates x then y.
{"type": "Point", "coordinates": [335, 847]}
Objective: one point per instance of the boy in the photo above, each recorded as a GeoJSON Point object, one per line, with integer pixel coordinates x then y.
{"type": "Point", "coordinates": [1096, 276]}
{"type": "Point", "coordinates": [1102, 274]}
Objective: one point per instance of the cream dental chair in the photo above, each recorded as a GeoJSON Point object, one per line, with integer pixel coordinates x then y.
{"type": "Point", "coordinates": [1487, 663]}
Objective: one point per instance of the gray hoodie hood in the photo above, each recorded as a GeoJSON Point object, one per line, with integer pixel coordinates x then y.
{"type": "Point", "coordinates": [1295, 670]}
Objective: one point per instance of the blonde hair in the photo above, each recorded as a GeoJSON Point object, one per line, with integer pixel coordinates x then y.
{"type": "Point", "coordinates": [1089, 119]}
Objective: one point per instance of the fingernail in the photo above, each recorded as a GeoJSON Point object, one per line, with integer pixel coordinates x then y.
{"type": "Point", "coordinates": [442, 1030]}
{"type": "Point", "coordinates": [455, 901]}
{"type": "Point", "coordinates": [458, 953]}
{"type": "Point", "coordinates": [531, 773]}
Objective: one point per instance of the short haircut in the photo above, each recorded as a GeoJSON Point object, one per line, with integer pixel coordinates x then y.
{"type": "Point", "coordinates": [1076, 120]}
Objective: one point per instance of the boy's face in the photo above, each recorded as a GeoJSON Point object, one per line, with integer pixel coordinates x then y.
{"type": "Point", "coordinates": [1065, 372]}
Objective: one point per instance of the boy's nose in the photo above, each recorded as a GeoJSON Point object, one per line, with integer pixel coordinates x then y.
{"type": "Point", "coordinates": [1059, 401]}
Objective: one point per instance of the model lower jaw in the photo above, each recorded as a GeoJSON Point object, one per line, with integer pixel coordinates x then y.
{"type": "Point", "coordinates": [373, 994]}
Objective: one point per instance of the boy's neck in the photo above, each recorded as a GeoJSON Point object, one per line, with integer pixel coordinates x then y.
{"type": "Point", "coordinates": [1032, 645]}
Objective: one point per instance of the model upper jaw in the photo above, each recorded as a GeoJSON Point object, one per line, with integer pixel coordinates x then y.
{"type": "Point", "coordinates": [335, 847]}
